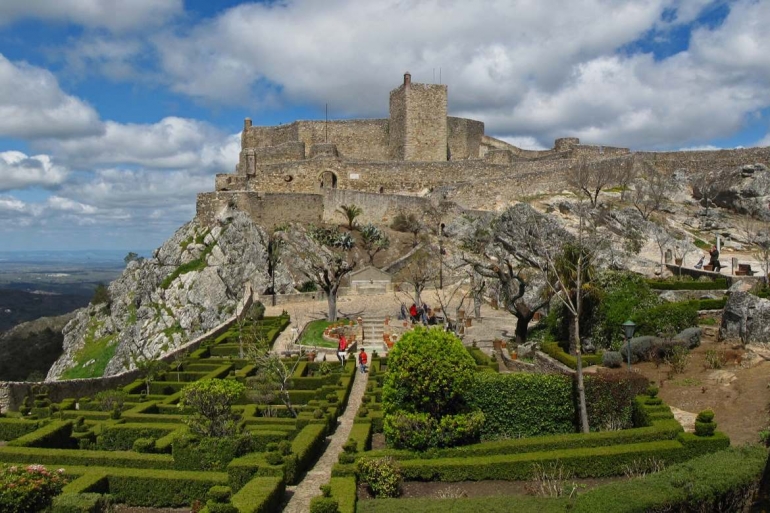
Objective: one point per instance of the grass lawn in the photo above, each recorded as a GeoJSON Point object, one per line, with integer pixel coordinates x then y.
{"type": "Point", "coordinates": [313, 334]}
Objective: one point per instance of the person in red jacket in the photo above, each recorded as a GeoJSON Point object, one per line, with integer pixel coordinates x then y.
{"type": "Point", "coordinates": [362, 360]}
{"type": "Point", "coordinates": [342, 349]}
{"type": "Point", "coordinates": [413, 312]}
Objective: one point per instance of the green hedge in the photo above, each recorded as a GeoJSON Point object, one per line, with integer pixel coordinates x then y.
{"type": "Point", "coordinates": [661, 430]}
{"type": "Point", "coordinates": [121, 437]}
{"type": "Point", "coordinates": [94, 481]}
{"type": "Point", "coordinates": [14, 428]}
{"type": "Point", "coordinates": [722, 481]}
{"type": "Point", "coordinates": [344, 490]}
{"type": "Point", "coordinates": [306, 447]}
{"type": "Point", "coordinates": [54, 435]}
{"type": "Point", "coordinates": [667, 318]}
{"type": "Point", "coordinates": [241, 470]}
{"type": "Point", "coordinates": [361, 434]}
{"type": "Point", "coordinates": [161, 488]}
{"type": "Point", "coordinates": [80, 503]}
{"type": "Point", "coordinates": [63, 457]}
{"type": "Point", "coordinates": [718, 284]}
{"type": "Point", "coordinates": [518, 503]}
{"type": "Point", "coordinates": [519, 404]}
{"type": "Point", "coordinates": [583, 462]}
{"type": "Point", "coordinates": [483, 359]}
{"type": "Point", "coordinates": [260, 495]}
{"type": "Point", "coordinates": [553, 350]}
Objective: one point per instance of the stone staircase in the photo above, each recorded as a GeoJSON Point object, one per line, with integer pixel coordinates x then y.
{"type": "Point", "coordinates": [373, 329]}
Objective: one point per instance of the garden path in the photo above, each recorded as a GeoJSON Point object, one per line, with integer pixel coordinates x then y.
{"type": "Point", "coordinates": [320, 474]}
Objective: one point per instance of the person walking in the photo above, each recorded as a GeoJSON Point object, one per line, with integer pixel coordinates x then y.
{"type": "Point", "coordinates": [342, 348]}
{"type": "Point", "coordinates": [714, 259]}
{"type": "Point", "coordinates": [362, 359]}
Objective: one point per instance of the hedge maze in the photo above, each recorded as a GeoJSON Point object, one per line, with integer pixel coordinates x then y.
{"type": "Point", "coordinates": [689, 478]}
{"type": "Point", "coordinates": [141, 452]}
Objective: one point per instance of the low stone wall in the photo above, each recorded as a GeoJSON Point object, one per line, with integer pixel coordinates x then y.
{"type": "Point", "coordinates": [287, 299]}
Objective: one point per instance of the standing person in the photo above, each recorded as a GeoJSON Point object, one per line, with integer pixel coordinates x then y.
{"type": "Point", "coordinates": [342, 348]}
{"type": "Point", "coordinates": [714, 259]}
{"type": "Point", "coordinates": [362, 360]}
{"type": "Point", "coordinates": [413, 312]}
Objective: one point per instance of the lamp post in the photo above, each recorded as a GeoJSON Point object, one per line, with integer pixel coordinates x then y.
{"type": "Point", "coordinates": [441, 256]}
{"type": "Point", "coordinates": [628, 331]}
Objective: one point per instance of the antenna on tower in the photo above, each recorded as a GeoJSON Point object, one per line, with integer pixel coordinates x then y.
{"type": "Point", "coordinates": [434, 75]}
{"type": "Point", "coordinates": [326, 125]}
{"type": "Point", "coordinates": [439, 76]}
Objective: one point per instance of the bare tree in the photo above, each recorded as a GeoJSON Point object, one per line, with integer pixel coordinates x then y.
{"type": "Point", "coordinates": [408, 223]}
{"type": "Point", "coordinates": [626, 172]}
{"type": "Point", "coordinates": [650, 192]}
{"type": "Point", "coordinates": [324, 257]}
{"type": "Point", "coordinates": [663, 240]}
{"type": "Point", "coordinates": [757, 233]}
{"type": "Point", "coordinates": [421, 270]}
{"type": "Point", "coordinates": [683, 245]}
{"type": "Point", "coordinates": [274, 245]}
{"type": "Point", "coordinates": [273, 373]}
{"type": "Point", "coordinates": [591, 177]}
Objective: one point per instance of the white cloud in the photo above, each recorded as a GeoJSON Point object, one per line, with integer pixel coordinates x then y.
{"type": "Point", "coordinates": [117, 58]}
{"type": "Point", "coordinates": [117, 15]}
{"type": "Point", "coordinates": [524, 142]}
{"type": "Point", "coordinates": [171, 143]}
{"type": "Point", "coordinates": [705, 147]}
{"type": "Point", "coordinates": [527, 69]}
{"type": "Point", "coordinates": [19, 171]}
{"type": "Point", "coordinates": [33, 105]}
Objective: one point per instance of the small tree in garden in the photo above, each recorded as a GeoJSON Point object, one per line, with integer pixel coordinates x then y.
{"type": "Point", "coordinates": [373, 241]}
{"type": "Point", "coordinates": [149, 367]}
{"type": "Point", "coordinates": [351, 212]}
{"type": "Point", "coordinates": [274, 374]}
{"type": "Point", "coordinates": [211, 401]}
{"type": "Point", "coordinates": [429, 371]}
{"type": "Point", "coordinates": [408, 223]}
{"type": "Point", "coordinates": [420, 272]}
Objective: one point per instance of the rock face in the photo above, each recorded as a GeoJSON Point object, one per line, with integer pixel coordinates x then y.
{"type": "Point", "coordinates": [750, 193]}
{"type": "Point", "coordinates": [190, 285]}
{"type": "Point", "coordinates": [746, 318]}
{"type": "Point", "coordinates": [31, 347]}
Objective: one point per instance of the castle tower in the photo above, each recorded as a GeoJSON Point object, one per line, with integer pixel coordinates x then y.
{"type": "Point", "coordinates": [418, 122]}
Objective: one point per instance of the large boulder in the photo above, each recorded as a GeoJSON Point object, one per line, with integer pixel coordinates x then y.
{"type": "Point", "coordinates": [750, 190]}
{"type": "Point", "coordinates": [746, 318]}
{"type": "Point", "coordinates": [690, 337]}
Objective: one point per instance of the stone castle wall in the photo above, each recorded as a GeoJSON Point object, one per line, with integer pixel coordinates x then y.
{"type": "Point", "coordinates": [464, 138]}
{"type": "Point", "coordinates": [426, 122]}
{"type": "Point", "coordinates": [267, 210]}
{"type": "Point", "coordinates": [377, 208]}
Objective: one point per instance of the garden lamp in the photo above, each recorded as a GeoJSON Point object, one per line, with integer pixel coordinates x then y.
{"type": "Point", "coordinates": [628, 331]}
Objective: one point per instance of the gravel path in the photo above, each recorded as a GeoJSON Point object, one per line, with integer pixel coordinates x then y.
{"type": "Point", "coordinates": [322, 471]}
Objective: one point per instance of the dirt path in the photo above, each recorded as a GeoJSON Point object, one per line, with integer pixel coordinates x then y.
{"type": "Point", "coordinates": [322, 471]}
{"type": "Point", "coordinates": [738, 392]}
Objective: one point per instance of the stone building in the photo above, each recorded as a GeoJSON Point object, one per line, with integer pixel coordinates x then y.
{"type": "Point", "coordinates": [305, 170]}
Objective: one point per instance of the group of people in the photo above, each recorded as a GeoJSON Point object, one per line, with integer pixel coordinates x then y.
{"type": "Point", "coordinates": [422, 313]}
{"type": "Point", "coordinates": [342, 354]}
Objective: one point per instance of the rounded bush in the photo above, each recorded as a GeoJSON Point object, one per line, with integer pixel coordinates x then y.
{"type": "Point", "coordinates": [219, 494]}
{"type": "Point", "coordinates": [274, 458]}
{"type": "Point", "coordinates": [346, 458]}
{"type": "Point", "coordinates": [350, 446]}
{"type": "Point", "coordinates": [705, 416]}
{"type": "Point", "coordinates": [382, 476]}
{"type": "Point", "coordinates": [284, 447]}
{"type": "Point", "coordinates": [318, 413]}
{"type": "Point", "coordinates": [705, 428]}
{"type": "Point", "coordinates": [612, 359]}
{"type": "Point", "coordinates": [652, 390]}
{"type": "Point", "coordinates": [363, 411]}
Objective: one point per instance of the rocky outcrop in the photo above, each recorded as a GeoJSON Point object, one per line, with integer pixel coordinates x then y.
{"type": "Point", "coordinates": [750, 190]}
{"type": "Point", "coordinates": [191, 284]}
{"type": "Point", "coordinates": [29, 349]}
{"type": "Point", "coordinates": [746, 318]}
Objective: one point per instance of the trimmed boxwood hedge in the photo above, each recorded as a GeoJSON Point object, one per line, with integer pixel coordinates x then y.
{"type": "Point", "coordinates": [63, 457]}
{"type": "Point", "coordinates": [14, 428]}
{"type": "Point", "coordinates": [518, 503]}
{"type": "Point", "coordinates": [54, 435]}
{"type": "Point", "coordinates": [260, 495]}
{"type": "Point", "coordinates": [80, 503]}
{"type": "Point", "coordinates": [718, 284]}
{"type": "Point", "coordinates": [161, 488]}
{"type": "Point", "coordinates": [553, 350]}
{"type": "Point", "coordinates": [344, 490]}
{"type": "Point", "coordinates": [121, 437]}
{"type": "Point", "coordinates": [519, 404]}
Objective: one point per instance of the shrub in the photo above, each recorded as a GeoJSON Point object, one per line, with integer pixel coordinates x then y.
{"type": "Point", "coordinates": [612, 359]}
{"type": "Point", "coordinates": [109, 399]}
{"type": "Point", "coordinates": [324, 505]}
{"type": "Point", "coordinates": [420, 431]}
{"type": "Point", "coordinates": [518, 404]}
{"type": "Point", "coordinates": [666, 319]}
{"type": "Point", "coordinates": [382, 476]}
{"type": "Point", "coordinates": [610, 399]}
{"type": "Point", "coordinates": [428, 371]}
{"type": "Point", "coordinates": [212, 400]}
{"type": "Point", "coordinates": [81, 503]}
{"type": "Point", "coordinates": [678, 359]}
{"type": "Point", "coordinates": [28, 489]}
{"type": "Point", "coordinates": [704, 423]}
{"type": "Point", "coordinates": [715, 359]}
{"type": "Point", "coordinates": [193, 453]}
{"type": "Point", "coordinates": [274, 458]}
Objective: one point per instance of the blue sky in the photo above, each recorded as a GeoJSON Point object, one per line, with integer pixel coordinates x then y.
{"type": "Point", "coordinates": [114, 114]}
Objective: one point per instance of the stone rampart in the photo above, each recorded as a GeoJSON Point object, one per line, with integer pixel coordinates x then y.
{"type": "Point", "coordinates": [356, 139]}
{"type": "Point", "coordinates": [377, 208]}
{"type": "Point", "coordinates": [698, 161]}
{"type": "Point", "coordinates": [266, 209]}
{"type": "Point", "coordinates": [464, 138]}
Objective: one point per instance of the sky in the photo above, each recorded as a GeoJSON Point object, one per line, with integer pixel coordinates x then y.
{"type": "Point", "coordinates": [114, 114]}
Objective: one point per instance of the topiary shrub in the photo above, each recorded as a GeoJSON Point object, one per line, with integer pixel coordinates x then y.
{"type": "Point", "coordinates": [324, 505]}
{"type": "Point", "coordinates": [81, 503]}
{"type": "Point", "coordinates": [666, 319]}
{"type": "Point", "coordinates": [704, 423]}
{"type": "Point", "coordinates": [219, 494]}
{"type": "Point", "coordinates": [612, 359]}
{"type": "Point", "coordinates": [274, 458]}
{"type": "Point", "coordinates": [318, 413]}
{"type": "Point", "coordinates": [212, 400]}
{"type": "Point", "coordinates": [284, 447]}
{"type": "Point", "coordinates": [382, 476]}
{"type": "Point", "coordinates": [429, 372]}
{"type": "Point", "coordinates": [610, 399]}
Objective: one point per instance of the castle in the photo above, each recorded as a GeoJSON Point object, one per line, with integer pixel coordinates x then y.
{"type": "Point", "coordinates": [305, 170]}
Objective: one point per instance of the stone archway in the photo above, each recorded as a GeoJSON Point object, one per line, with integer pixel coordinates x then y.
{"type": "Point", "coordinates": [328, 180]}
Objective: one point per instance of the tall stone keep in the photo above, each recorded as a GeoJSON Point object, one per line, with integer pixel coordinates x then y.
{"type": "Point", "coordinates": [418, 122]}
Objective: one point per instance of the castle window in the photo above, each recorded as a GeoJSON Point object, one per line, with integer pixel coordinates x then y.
{"type": "Point", "coordinates": [328, 180]}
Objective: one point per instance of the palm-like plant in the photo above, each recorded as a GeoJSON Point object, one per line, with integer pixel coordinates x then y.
{"type": "Point", "coordinates": [351, 212]}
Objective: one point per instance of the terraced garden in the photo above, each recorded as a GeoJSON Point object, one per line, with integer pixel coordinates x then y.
{"type": "Point", "coordinates": [138, 449]}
